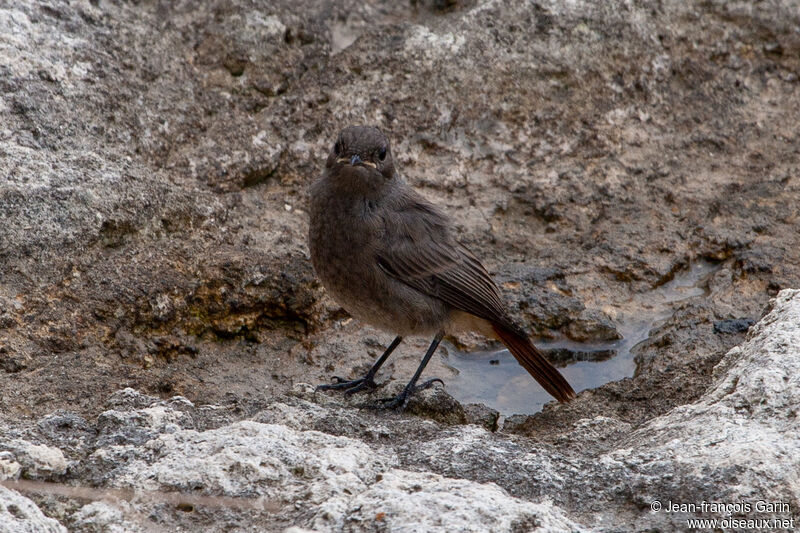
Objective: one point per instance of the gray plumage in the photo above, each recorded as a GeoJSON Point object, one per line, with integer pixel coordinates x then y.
{"type": "Point", "coordinates": [391, 259]}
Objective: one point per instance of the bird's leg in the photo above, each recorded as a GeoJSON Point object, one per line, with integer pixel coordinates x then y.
{"type": "Point", "coordinates": [368, 381]}
{"type": "Point", "coordinates": [401, 400]}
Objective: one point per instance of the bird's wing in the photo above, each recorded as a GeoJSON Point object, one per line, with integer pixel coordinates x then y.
{"type": "Point", "coordinates": [418, 249]}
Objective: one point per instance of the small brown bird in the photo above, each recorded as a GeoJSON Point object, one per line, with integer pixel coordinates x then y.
{"type": "Point", "coordinates": [391, 259]}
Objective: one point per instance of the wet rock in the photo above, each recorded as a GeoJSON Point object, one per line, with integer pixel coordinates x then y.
{"type": "Point", "coordinates": [751, 401]}
{"type": "Point", "coordinates": [318, 463]}
{"type": "Point", "coordinates": [733, 325]}
{"type": "Point", "coordinates": [593, 325]}
{"type": "Point", "coordinates": [561, 357]}
{"type": "Point", "coordinates": [481, 415]}
{"type": "Point", "coordinates": [514, 423]}
{"type": "Point", "coordinates": [436, 404]}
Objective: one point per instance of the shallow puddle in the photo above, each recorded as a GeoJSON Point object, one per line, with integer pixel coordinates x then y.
{"type": "Point", "coordinates": [497, 380]}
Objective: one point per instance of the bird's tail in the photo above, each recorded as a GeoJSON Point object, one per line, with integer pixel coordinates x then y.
{"type": "Point", "coordinates": [534, 362]}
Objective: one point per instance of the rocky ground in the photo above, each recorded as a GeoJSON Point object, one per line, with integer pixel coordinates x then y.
{"type": "Point", "coordinates": [160, 319]}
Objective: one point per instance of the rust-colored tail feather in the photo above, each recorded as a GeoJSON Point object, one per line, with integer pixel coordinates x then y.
{"type": "Point", "coordinates": [534, 362]}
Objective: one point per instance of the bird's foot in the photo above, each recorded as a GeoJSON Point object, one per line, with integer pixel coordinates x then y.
{"type": "Point", "coordinates": [400, 401]}
{"type": "Point", "coordinates": [349, 387]}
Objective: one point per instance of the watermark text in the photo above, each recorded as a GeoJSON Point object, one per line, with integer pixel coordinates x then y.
{"type": "Point", "coordinates": [742, 514]}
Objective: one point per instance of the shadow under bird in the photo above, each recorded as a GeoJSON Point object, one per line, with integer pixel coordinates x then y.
{"type": "Point", "coordinates": [391, 259]}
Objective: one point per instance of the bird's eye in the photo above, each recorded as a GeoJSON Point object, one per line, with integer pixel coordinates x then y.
{"type": "Point", "coordinates": [382, 153]}
{"type": "Point", "coordinates": [337, 148]}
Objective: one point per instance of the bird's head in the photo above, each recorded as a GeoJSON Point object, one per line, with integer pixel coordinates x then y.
{"type": "Point", "coordinates": [362, 152]}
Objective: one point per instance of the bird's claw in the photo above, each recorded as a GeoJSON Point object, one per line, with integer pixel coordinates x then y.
{"type": "Point", "coordinates": [424, 385]}
{"type": "Point", "coordinates": [400, 402]}
{"type": "Point", "coordinates": [349, 387]}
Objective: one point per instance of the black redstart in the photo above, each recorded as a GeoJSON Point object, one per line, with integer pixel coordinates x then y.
{"type": "Point", "coordinates": [391, 259]}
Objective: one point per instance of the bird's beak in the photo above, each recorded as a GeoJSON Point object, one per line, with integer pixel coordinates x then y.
{"type": "Point", "coordinates": [356, 160]}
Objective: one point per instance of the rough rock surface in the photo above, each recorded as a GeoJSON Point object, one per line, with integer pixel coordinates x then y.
{"type": "Point", "coordinates": [19, 514]}
{"type": "Point", "coordinates": [154, 158]}
{"type": "Point", "coordinates": [314, 463]}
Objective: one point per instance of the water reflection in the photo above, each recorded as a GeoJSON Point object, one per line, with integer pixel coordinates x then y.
{"type": "Point", "coordinates": [497, 380]}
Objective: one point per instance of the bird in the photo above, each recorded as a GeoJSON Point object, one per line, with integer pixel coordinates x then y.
{"type": "Point", "coordinates": [392, 259]}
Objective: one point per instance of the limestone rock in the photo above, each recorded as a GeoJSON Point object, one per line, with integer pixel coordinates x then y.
{"type": "Point", "coordinates": [18, 514]}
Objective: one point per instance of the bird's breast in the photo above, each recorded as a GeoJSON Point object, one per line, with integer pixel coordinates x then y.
{"type": "Point", "coordinates": [344, 237]}
{"type": "Point", "coordinates": [342, 240]}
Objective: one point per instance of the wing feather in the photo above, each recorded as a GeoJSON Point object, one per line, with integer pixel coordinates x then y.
{"type": "Point", "coordinates": [418, 248]}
